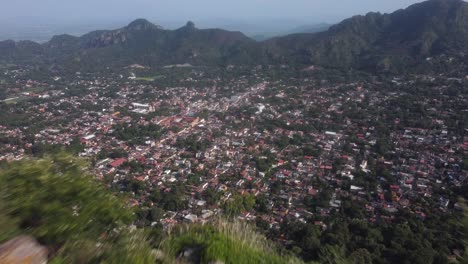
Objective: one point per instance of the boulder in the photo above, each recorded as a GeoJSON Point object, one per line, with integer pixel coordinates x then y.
{"type": "Point", "coordinates": [22, 250]}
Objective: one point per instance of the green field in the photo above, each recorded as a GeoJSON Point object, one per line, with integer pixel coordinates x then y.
{"type": "Point", "coordinates": [13, 100]}
{"type": "Point", "coordinates": [36, 90]}
{"type": "Point", "coordinates": [150, 79]}
{"type": "Point", "coordinates": [6, 66]}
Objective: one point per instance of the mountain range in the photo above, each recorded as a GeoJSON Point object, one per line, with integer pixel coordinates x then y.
{"type": "Point", "coordinates": [372, 41]}
{"type": "Point", "coordinates": [315, 28]}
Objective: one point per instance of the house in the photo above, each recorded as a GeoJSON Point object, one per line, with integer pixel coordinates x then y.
{"type": "Point", "coordinates": [118, 162]}
{"type": "Point", "coordinates": [191, 218]}
{"type": "Point", "coordinates": [87, 138]}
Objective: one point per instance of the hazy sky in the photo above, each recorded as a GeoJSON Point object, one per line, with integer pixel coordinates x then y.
{"type": "Point", "coordinates": [247, 10]}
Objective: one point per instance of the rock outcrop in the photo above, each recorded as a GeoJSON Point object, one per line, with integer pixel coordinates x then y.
{"type": "Point", "coordinates": [22, 250]}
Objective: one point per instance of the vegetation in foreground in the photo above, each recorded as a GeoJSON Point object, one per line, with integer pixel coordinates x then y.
{"type": "Point", "coordinates": [56, 200]}
{"type": "Point", "coordinates": [229, 242]}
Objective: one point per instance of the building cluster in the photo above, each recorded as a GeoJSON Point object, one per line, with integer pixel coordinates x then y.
{"type": "Point", "coordinates": [303, 151]}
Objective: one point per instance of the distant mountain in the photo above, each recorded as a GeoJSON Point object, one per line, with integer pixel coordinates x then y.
{"type": "Point", "coordinates": [140, 41]}
{"type": "Point", "coordinates": [310, 28]}
{"type": "Point", "coordinates": [301, 29]}
{"type": "Point", "coordinates": [148, 44]}
{"type": "Point", "coordinates": [404, 37]}
{"type": "Point", "coordinates": [374, 41]}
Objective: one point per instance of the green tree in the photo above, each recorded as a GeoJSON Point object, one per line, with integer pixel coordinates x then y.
{"type": "Point", "coordinates": [234, 206]}
{"type": "Point", "coordinates": [249, 202]}
{"type": "Point", "coordinates": [58, 202]}
{"type": "Point", "coordinates": [361, 256]}
{"type": "Point", "coordinates": [333, 255]}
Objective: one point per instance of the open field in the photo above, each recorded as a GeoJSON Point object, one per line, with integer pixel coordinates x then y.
{"type": "Point", "coordinates": [150, 79]}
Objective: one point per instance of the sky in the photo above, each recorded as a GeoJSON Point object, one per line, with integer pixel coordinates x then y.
{"type": "Point", "coordinates": [246, 10]}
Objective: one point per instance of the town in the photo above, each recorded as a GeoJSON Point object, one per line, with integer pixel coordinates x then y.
{"type": "Point", "coordinates": [192, 144]}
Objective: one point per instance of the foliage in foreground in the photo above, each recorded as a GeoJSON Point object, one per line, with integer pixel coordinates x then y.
{"type": "Point", "coordinates": [229, 242]}
{"type": "Point", "coordinates": [56, 201]}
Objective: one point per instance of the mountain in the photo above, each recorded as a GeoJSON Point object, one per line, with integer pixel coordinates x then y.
{"type": "Point", "coordinates": [146, 43]}
{"type": "Point", "coordinates": [404, 37]}
{"type": "Point", "coordinates": [302, 29]}
{"type": "Point", "coordinates": [140, 41]}
{"type": "Point", "coordinates": [373, 41]}
{"type": "Point", "coordinates": [310, 29]}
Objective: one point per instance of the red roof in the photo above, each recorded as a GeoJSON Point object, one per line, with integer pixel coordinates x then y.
{"type": "Point", "coordinates": [118, 162]}
{"type": "Point", "coordinates": [189, 119]}
{"type": "Point", "coordinates": [312, 192]}
{"type": "Point", "coordinates": [141, 178]}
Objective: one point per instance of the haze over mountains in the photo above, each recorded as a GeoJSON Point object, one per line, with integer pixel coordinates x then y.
{"type": "Point", "coordinates": [42, 30]}
{"type": "Point", "coordinates": [375, 40]}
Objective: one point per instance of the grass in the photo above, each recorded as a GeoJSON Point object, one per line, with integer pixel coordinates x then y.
{"type": "Point", "coordinates": [149, 79]}
{"type": "Point", "coordinates": [36, 90]}
{"type": "Point", "coordinates": [13, 100]}
{"type": "Point", "coordinates": [229, 242]}
{"type": "Point", "coordinates": [7, 65]}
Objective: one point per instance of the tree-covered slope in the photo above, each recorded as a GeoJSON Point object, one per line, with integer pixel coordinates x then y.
{"type": "Point", "coordinates": [140, 42]}
{"type": "Point", "coordinates": [400, 39]}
